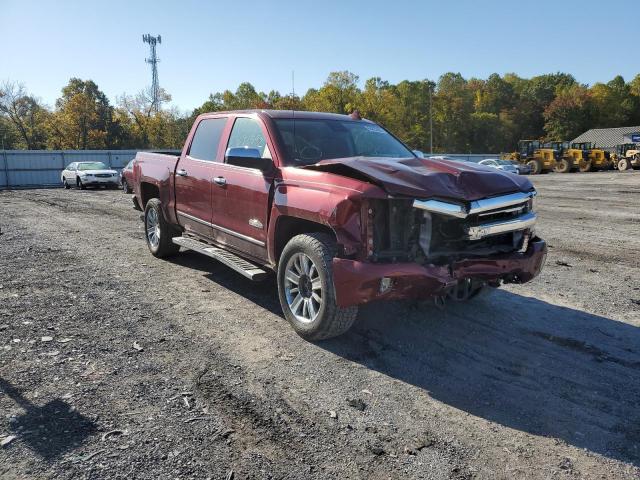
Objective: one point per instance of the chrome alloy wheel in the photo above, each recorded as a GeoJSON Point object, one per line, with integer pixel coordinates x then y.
{"type": "Point", "coordinates": [153, 228]}
{"type": "Point", "coordinates": [303, 288]}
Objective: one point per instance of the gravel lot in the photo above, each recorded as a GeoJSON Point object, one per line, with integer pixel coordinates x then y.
{"type": "Point", "coordinates": [114, 364]}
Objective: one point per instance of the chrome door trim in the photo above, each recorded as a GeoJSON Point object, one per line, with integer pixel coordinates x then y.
{"type": "Point", "coordinates": [222, 229]}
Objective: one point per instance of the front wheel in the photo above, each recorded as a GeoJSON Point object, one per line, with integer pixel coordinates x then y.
{"type": "Point", "coordinates": [80, 185]}
{"type": "Point", "coordinates": [158, 232]}
{"type": "Point", "coordinates": [306, 290]}
{"type": "Point", "coordinates": [624, 164]}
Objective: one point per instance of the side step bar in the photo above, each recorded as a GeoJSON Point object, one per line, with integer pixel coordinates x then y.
{"type": "Point", "coordinates": [240, 265]}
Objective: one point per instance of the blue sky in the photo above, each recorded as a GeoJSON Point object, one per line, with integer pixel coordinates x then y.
{"type": "Point", "coordinates": [209, 46]}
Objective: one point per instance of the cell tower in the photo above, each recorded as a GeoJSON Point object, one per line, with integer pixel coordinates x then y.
{"type": "Point", "coordinates": [155, 86]}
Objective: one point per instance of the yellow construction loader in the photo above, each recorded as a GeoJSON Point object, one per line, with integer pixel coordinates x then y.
{"type": "Point", "coordinates": [626, 156]}
{"type": "Point", "coordinates": [535, 155]}
{"type": "Point", "coordinates": [579, 156]}
{"type": "Point", "coordinates": [596, 158]}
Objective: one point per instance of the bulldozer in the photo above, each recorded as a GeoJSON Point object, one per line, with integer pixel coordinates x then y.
{"type": "Point", "coordinates": [626, 156]}
{"type": "Point", "coordinates": [596, 158]}
{"type": "Point", "coordinates": [535, 155]}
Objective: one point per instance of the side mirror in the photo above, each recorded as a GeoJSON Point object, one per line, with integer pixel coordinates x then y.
{"type": "Point", "coordinates": [418, 153]}
{"type": "Point", "coordinates": [248, 158]}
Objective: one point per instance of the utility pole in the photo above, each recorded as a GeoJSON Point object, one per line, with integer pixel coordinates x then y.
{"type": "Point", "coordinates": [153, 61]}
{"type": "Point", "coordinates": [430, 118]}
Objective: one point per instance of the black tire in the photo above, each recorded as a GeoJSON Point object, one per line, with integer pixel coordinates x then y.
{"type": "Point", "coordinates": [563, 165]}
{"type": "Point", "coordinates": [585, 166]}
{"type": "Point", "coordinates": [624, 164]}
{"type": "Point", "coordinates": [80, 185]}
{"type": "Point", "coordinates": [125, 187]}
{"type": "Point", "coordinates": [535, 165]}
{"type": "Point", "coordinates": [65, 184]}
{"type": "Point", "coordinates": [164, 247]}
{"type": "Point", "coordinates": [330, 320]}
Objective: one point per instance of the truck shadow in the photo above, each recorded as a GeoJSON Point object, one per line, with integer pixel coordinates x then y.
{"type": "Point", "coordinates": [521, 362]}
{"type": "Point", "coordinates": [524, 363]}
{"type": "Point", "coordinates": [49, 430]}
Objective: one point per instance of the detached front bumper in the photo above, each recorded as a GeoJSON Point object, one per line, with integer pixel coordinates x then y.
{"type": "Point", "coordinates": [360, 282]}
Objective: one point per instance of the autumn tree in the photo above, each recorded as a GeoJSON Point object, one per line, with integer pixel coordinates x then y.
{"type": "Point", "coordinates": [83, 118]}
{"type": "Point", "coordinates": [339, 94]}
{"type": "Point", "coordinates": [24, 118]}
{"type": "Point", "coordinates": [147, 127]}
{"type": "Point", "coordinates": [569, 113]}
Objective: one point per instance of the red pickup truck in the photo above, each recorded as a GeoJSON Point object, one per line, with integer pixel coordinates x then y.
{"type": "Point", "coordinates": [342, 210]}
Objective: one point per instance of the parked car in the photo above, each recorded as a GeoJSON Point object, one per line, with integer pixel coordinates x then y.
{"type": "Point", "coordinates": [502, 165]}
{"type": "Point", "coordinates": [523, 168]}
{"type": "Point", "coordinates": [343, 211]}
{"type": "Point", "coordinates": [88, 174]}
{"type": "Point", "coordinates": [126, 178]}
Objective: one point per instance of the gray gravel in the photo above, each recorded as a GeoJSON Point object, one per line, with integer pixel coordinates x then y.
{"type": "Point", "coordinates": [535, 381]}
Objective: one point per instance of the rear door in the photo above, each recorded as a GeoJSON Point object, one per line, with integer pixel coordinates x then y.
{"type": "Point", "coordinates": [241, 194]}
{"type": "Point", "coordinates": [194, 174]}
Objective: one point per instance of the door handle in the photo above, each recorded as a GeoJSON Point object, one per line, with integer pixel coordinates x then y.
{"type": "Point", "coordinates": [220, 181]}
{"type": "Point", "coordinates": [182, 172]}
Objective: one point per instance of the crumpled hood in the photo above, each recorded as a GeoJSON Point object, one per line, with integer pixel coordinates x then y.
{"type": "Point", "coordinates": [428, 177]}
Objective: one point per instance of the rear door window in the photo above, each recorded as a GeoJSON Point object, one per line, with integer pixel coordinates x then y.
{"type": "Point", "coordinates": [204, 145]}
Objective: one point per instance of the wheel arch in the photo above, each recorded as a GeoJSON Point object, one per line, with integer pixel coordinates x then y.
{"type": "Point", "coordinates": [147, 192]}
{"type": "Point", "coordinates": [287, 227]}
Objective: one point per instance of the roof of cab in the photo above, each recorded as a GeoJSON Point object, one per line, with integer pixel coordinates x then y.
{"type": "Point", "coordinates": [297, 114]}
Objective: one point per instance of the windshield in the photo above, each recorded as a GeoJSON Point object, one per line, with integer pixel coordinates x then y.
{"type": "Point", "coordinates": [92, 166]}
{"type": "Point", "coordinates": [309, 141]}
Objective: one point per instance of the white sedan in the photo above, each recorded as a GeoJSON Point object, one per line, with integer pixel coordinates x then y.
{"type": "Point", "coordinates": [503, 165]}
{"type": "Point", "coordinates": [89, 174]}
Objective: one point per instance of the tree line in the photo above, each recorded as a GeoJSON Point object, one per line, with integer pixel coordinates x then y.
{"type": "Point", "coordinates": [465, 115]}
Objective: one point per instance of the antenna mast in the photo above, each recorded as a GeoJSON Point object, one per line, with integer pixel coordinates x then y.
{"type": "Point", "coordinates": [153, 61]}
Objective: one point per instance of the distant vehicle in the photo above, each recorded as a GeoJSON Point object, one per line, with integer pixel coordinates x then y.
{"type": "Point", "coordinates": [126, 178]}
{"type": "Point", "coordinates": [523, 168]}
{"type": "Point", "coordinates": [502, 165]}
{"type": "Point", "coordinates": [88, 174]}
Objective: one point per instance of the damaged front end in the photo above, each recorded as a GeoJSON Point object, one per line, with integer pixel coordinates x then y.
{"type": "Point", "coordinates": [437, 248]}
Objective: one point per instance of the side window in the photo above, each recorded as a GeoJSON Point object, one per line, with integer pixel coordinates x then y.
{"type": "Point", "coordinates": [247, 133]}
{"type": "Point", "coordinates": [71, 166]}
{"type": "Point", "coordinates": [204, 145]}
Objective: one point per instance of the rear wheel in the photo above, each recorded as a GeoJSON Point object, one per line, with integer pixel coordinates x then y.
{"type": "Point", "coordinates": [65, 183]}
{"type": "Point", "coordinates": [535, 165]}
{"type": "Point", "coordinates": [306, 290]}
{"type": "Point", "coordinates": [158, 232]}
{"type": "Point", "coordinates": [125, 186]}
{"type": "Point", "coordinates": [563, 165]}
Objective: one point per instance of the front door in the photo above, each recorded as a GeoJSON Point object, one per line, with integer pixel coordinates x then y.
{"type": "Point", "coordinates": [241, 194]}
{"type": "Point", "coordinates": [194, 174]}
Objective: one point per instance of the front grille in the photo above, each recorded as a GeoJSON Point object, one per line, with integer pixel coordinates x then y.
{"type": "Point", "coordinates": [103, 175]}
{"type": "Point", "coordinates": [490, 226]}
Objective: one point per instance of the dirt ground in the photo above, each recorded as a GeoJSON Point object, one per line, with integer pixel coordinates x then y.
{"type": "Point", "coordinates": [114, 364]}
